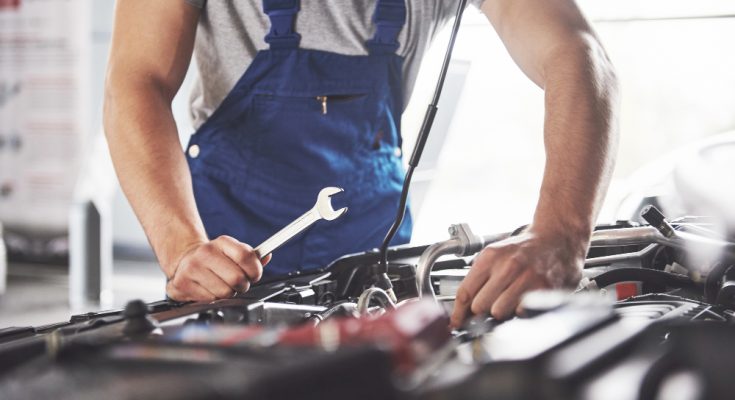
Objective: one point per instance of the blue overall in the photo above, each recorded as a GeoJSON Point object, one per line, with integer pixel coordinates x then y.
{"type": "Point", "coordinates": [297, 121]}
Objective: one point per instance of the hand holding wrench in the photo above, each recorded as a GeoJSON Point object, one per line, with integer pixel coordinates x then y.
{"type": "Point", "coordinates": [321, 210]}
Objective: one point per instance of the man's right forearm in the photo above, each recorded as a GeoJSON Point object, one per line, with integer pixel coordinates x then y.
{"type": "Point", "coordinates": [152, 43]}
{"type": "Point", "coordinates": [152, 169]}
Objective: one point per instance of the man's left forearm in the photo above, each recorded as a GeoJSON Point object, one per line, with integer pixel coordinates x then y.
{"type": "Point", "coordinates": [580, 137]}
{"type": "Point", "coordinates": [556, 48]}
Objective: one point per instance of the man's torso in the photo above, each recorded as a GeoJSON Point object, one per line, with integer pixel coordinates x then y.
{"type": "Point", "coordinates": [230, 33]}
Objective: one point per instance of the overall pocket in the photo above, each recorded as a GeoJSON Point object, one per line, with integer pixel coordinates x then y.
{"type": "Point", "coordinates": [313, 134]}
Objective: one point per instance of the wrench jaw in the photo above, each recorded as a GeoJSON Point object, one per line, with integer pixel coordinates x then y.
{"type": "Point", "coordinates": [324, 204]}
{"type": "Point", "coordinates": [336, 214]}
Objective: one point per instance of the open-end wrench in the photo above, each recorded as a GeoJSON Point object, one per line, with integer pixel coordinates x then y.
{"type": "Point", "coordinates": [321, 210]}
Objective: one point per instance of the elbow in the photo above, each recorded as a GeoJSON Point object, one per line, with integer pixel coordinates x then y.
{"type": "Point", "coordinates": [582, 58]}
{"type": "Point", "coordinates": [603, 72]}
{"type": "Point", "coordinates": [131, 97]}
{"type": "Point", "coordinates": [581, 74]}
{"type": "Point", "coordinates": [116, 93]}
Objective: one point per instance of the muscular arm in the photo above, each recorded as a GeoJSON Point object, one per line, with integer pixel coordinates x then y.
{"type": "Point", "coordinates": [557, 49]}
{"type": "Point", "coordinates": [151, 49]}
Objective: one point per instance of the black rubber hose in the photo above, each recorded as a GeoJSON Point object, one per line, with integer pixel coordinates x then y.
{"type": "Point", "coordinates": [643, 275]}
{"type": "Point", "coordinates": [712, 283]}
{"type": "Point", "coordinates": [400, 214]}
{"type": "Point", "coordinates": [418, 149]}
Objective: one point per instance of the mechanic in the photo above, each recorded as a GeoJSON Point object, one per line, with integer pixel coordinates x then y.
{"type": "Point", "coordinates": [318, 105]}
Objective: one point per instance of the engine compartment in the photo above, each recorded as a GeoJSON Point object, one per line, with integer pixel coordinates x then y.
{"type": "Point", "coordinates": [654, 309]}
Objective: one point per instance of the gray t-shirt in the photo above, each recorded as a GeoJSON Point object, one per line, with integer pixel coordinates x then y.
{"type": "Point", "coordinates": [231, 32]}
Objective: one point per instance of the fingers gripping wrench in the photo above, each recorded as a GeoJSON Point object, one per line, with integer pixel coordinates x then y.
{"type": "Point", "coordinates": [321, 210]}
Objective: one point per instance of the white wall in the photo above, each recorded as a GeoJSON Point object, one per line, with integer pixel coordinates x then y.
{"type": "Point", "coordinates": [677, 82]}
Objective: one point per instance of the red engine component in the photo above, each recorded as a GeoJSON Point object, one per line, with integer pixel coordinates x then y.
{"type": "Point", "coordinates": [411, 333]}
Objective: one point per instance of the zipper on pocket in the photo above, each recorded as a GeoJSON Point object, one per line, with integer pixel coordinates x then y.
{"type": "Point", "coordinates": [323, 100]}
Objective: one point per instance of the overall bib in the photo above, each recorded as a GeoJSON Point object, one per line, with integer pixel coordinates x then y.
{"type": "Point", "coordinates": [297, 121]}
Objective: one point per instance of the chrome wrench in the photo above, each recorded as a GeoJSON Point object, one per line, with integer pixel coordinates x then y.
{"type": "Point", "coordinates": [321, 210]}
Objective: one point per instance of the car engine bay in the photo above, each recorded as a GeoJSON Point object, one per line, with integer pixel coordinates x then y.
{"type": "Point", "coordinates": [654, 309]}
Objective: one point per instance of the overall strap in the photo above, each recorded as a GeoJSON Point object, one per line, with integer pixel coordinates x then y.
{"type": "Point", "coordinates": [282, 14]}
{"type": "Point", "coordinates": [389, 17]}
